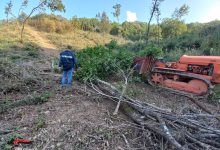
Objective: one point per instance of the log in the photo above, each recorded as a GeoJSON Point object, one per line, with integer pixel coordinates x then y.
{"type": "Point", "coordinates": [174, 128]}
{"type": "Point", "coordinates": [168, 135]}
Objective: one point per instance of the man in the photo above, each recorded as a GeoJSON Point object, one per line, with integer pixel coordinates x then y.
{"type": "Point", "coordinates": [67, 62]}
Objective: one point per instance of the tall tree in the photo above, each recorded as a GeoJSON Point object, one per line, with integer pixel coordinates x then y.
{"type": "Point", "coordinates": [22, 16]}
{"type": "Point", "coordinates": [180, 12]}
{"type": "Point", "coordinates": [117, 12]}
{"type": "Point", "coordinates": [23, 6]}
{"type": "Point", "coordinates": [104, 17]}
{"type": "Point", "coordinates": [158, 26]}
{"type": "Point", "coordinates": [154, 9]}
{"type": "Point", "coordinates": [104, 22]}
{"type": "Point", "coordinates": [98, 16]}
{"type": "Point", "coordinates": [53, 5]}
{"type": "Point", "coordinates": [8, 9]}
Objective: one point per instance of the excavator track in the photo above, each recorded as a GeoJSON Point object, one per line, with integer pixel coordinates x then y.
{"type": "Point", "coordinates": [182, 74]}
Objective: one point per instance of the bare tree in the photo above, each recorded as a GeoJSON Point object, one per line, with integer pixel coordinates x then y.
{"type": "Point", "coordinates": [8, 9]}
{"type": "Point", "coordinates": [154, 9]}
{"type": "Point", "coordinates": [53, 5]}
{"type": "Point", "coordinates": [117, 12]}
{"type": "Point", "coordinates": [158, 26]}
{"type": "Point", "coordinates": [23, 6]}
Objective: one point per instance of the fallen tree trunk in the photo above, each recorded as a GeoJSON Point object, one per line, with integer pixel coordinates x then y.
{"type": "Point", "coordinates": [178, 130]}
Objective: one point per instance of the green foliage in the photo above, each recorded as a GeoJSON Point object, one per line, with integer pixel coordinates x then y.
{"type": "Point", "coordinates": [172, 28]}
{"type": "Point", "coordinates": [112, 44]}
{"type": "Point", "coordinates": [124, 59]}
{"type": "Point", "coordinates": [29, 101]}
{"type": "Point", "coordinates": [32, 50]}
{"type": "Point", "coordinates": [134, 92]}
{"type": "Point", "coordinates": [133, 31]}
{"type": "Point", "coordinates": [115, 29]}
{"type": "Point", "coordinates": [182, 11]}
{"type": "Point", "coordinates": [215, 96]}
{"type": "Point", "coordinates": [151, 50]}
{"type": "Point", "coordinates": [40, 99]}
{"type": "Point", "coordinates": [94, 63]}
{"type": "Point", "coordinates": [134, 46]}
{"type": "Point", "coordinates": [201, 39]}
{"type": "Point", "coordinates": [137, 77]}
{"type": "Point", "coordinates": [117, 12]}
{"type": "Point", "coordinates": [176, 54]}
{"type": "Point", "coordinates": [101, 62]}
{"type": "Point", "coordinates": [55, 5]}
{"type": "Point", "coordinates": [39, 123]}
{"type": "Point", "coordinates": [6, 140]}
{"type": "Point", "coordinates": [30, 47]}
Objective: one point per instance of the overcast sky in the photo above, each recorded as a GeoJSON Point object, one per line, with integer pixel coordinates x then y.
{"type": "Point", "coordinates": [131, 10]}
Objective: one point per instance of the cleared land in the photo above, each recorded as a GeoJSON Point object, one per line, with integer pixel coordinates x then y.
{"type": "Point", "coordinates": [33, 106]}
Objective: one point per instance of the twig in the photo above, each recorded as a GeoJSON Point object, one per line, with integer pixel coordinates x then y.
{"type": "Point", "coordinates": [126, 141]}
{"type": "Point", "coordinates": [171, 127]}
{"type": "Point", "coordinates": [124, 88]}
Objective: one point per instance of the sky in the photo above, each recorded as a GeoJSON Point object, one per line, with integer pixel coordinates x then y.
{"type": "Point", "coordinates": [131, 10]}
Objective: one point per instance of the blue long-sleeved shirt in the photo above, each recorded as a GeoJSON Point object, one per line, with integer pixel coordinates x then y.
{"type": "Point", "coordinates": [67, 60]}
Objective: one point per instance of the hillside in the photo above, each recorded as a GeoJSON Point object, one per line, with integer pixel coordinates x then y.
{"type": "Point", "coordinates": [131, 89]}
{"type": "Point", "coordinates": [33, 105]}
{"type": "Point", "coordinates": [78, 39]}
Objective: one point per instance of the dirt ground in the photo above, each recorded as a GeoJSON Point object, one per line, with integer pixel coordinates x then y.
{"type": "Point", "coordinates": [77, 118]}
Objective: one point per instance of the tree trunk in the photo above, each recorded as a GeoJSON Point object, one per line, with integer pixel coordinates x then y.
{"type": "Point", "coordinates": [7, 18]}
{"type": "Point", "coordinates": [151, 17]}
{"type": "Point", "coordinates": [25, 20]}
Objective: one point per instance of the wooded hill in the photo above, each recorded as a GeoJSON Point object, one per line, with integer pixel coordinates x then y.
{"type": "Point", "coordinates": [172, 35]}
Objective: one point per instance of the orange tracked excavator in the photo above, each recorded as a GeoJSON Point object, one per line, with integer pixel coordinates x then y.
{"type": "Point", "coordinates": [190, 74]}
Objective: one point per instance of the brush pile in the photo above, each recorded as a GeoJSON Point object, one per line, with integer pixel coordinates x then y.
{"type": "Point", "coordinates": [190, 130]}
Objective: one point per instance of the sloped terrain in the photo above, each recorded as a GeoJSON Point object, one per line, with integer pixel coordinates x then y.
{"type": "Point", "coordinates": [75, 118]}
{"type": "Point", "coordinates": [78, 118]}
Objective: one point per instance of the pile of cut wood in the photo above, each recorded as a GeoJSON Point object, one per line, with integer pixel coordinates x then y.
{"type": "Point", "coordinates": [185, 131]}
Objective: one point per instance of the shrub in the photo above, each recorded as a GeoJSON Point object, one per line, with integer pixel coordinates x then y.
{"type": "Point", "coordinates": [9, 138]}
{"type": "Point", "coordinates": [101, 62]}
{"type": "Point", "coordinates": [112, 44]}
{"type": "Point", "coordinates": [32, 50]}
{"type": "Point", "coordinates": [39, 123]}
{"type": "Point", "coordinates": [115, 30]}
{"type": "Point", "coordinates": [29, 101]}
{"type": "Point", "coordinates": [151, 50]}
{"type": "Point", "coordinates": [31, 47]}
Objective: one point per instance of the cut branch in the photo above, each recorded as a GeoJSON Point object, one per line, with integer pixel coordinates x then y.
{"type": "Point", "coordinates": [177, 129]}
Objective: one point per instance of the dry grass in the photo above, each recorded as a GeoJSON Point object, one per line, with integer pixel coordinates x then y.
{"type": "Point", "coordinates": [81, 39]}
{"type": "Point", "coordinates": [10, 36]}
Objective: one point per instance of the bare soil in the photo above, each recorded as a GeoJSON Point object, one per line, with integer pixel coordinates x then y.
{"type": "Point", "coordinates": [77, 118]}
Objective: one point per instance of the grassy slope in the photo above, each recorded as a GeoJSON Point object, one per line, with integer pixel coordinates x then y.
{"type": "Point", "coordinates": [9, 36]}
{"type": "Point", "coordinates": [78, 39]}
{"type": "Point", "coordinates": [81, 39]}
